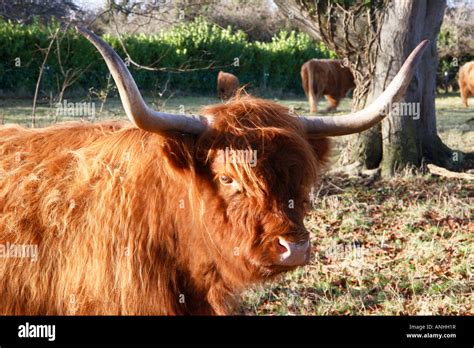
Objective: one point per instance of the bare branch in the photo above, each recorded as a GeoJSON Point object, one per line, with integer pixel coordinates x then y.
{"type": "Point", "coordinates": [38, 82]}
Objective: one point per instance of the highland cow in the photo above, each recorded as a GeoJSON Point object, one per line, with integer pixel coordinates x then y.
{"type": "Point", "coordinates": [227, 85]}
{"type": "Point", "coordinates": [150, 218]}
{"type": "Point", "coordinates": [326, 77]}
{"type": "Point", "coordinates": [466, 81]}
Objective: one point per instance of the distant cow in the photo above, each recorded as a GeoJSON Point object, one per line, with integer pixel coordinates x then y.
{"type": "Point", "coordinates": [466, 81]}
{"type": "Point", "coordinates": [227, 85]}
{"type": "Point", "coordinates": [328, 77]}
{"type": "Point", "coordinates": [172, 214]}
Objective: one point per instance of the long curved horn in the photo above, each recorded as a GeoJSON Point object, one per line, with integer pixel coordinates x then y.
{"type": "Point", "coordinates": [135, 107]}
{"type": "Point", "coordinates": [372, 114]}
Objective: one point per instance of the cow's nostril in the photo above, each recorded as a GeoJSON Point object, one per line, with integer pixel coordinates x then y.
{"type": "Point", "coordinates": [292, 253]}
{"type": "Point", "coordinates": [281, 245]}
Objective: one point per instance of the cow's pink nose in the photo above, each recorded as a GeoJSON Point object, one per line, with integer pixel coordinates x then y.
{"type": "Point", "coordinates": [293, 254]}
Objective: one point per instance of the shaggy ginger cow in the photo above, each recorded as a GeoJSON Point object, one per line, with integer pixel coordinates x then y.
{"type": "Point", "coordinates": [154, 218]}
{"type": "Point", "coordinates": [466, 81]}
{"type": "Point", "coordinates": [227, 85]}
{"type": "Point", "coordinates": [328, 77]}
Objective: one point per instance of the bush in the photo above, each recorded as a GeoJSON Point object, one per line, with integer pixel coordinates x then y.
{"type": "Point", "coordinates": [193, 46]}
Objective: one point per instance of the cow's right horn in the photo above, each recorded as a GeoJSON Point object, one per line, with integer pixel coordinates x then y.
{"type": "Point", "coordinates": [372, 114]}
{"type": "Point", "coordinates": [137, 110]}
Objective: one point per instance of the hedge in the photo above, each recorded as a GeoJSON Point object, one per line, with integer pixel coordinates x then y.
{"type": "Point", "coordinates": [193, 46]}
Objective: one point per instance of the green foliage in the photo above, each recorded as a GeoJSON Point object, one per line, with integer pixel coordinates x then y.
{"type": "Point", "coordinates": [199, 47]}
{"type": "Point", "coordinates": [22, 51]}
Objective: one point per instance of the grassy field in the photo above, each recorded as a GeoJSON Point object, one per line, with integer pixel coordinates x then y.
{"type": "Point", "coordinates": [402, 246]}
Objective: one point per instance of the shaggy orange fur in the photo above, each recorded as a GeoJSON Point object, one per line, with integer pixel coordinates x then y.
{"type": "Point", "coordinates": [132, 222]}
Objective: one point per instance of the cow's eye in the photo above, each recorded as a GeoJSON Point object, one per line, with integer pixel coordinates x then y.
{"type": "Point", "coordinates": [225, 180]}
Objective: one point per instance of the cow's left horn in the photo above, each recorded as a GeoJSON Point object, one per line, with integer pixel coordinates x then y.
{"type": "Point", "coordinates": [375, 112]}
{"type": "Point", "coordinates": [137, 110]}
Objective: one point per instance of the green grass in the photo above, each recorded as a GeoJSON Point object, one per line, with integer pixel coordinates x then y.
{"type": "Point", "coordinates": [402, 246]}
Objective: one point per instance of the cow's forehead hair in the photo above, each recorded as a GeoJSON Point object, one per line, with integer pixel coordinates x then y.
{"type": "Point", "coordinates": [250, 124]}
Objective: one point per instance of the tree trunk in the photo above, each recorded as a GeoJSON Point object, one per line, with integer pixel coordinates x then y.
{"type": "Point", "coordinates": [410, 131]}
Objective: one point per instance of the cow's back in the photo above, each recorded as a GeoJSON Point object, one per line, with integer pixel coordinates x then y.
{"type": "Point", "coordinates": [227, 85]}
{"type": "Point", "coordinates": [19, 145]}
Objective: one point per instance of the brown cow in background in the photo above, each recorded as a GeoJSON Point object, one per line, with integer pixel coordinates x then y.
{"type": "Point", "coordinates": [227, 85]}
{"type": "Point", "coordinates": [466, 81]}
{"type": "Point", "coordinates": [328, 77]}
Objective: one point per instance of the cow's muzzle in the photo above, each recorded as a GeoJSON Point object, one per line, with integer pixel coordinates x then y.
{"type": "Point", "coordinates": [293, 253]}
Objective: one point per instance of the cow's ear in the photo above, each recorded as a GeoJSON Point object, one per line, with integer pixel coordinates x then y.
{"type": "Point", "coordinates": [321, 147]}
{"type": "Point", "coordinates": [178, 151]}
